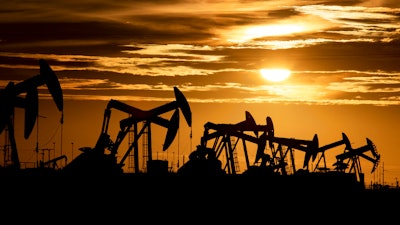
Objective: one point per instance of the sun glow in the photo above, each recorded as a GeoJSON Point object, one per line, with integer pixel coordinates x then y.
{"type": "Point", "coordinates": [247, 33]}
{"type": "Point", "coordinates": [275, 75]}
{"type": "Point", "coordinates": [272, 30]}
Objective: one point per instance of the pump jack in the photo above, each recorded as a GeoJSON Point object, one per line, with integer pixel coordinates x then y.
{"type": "Point", "coordinates": [225, 146]}
{"type": "Point", "coordinates": [310, 147]}
{"type": "Point", "coordinates": [96, 160]}
{"type": "Point", "coordinates": [226, 131]}
{"type": "Point", "coordinates": [352, 156]}
{"type": "Point", "coordinates": [345, 141]}
{"type": "Point", "coordinates": [274, 163]}
{"type": "Point", "coordinates": [9, 99]}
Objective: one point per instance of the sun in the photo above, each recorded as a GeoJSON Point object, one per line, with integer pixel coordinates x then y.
{"type": "Point", "coordinates": [275, 75]}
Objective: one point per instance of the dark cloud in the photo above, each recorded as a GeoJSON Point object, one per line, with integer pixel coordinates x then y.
{"type": "Point", "coordinates": [110, 42]}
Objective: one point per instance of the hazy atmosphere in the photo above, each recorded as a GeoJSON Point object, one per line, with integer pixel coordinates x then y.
{"type": "Point", "coordinates": [338, 64]}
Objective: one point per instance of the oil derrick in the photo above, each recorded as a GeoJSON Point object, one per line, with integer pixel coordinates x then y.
{"type": "Point", "coordinates": [11, 97]}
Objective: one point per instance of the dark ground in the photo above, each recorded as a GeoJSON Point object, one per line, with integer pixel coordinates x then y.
{"type": "Point", "coordinates": [134, 198]}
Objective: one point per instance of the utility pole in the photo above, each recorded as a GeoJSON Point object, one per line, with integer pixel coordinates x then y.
{"type": "Point", "coordinates": [72, 151]}
{"type": "Point", "coordinates": [383, 173]}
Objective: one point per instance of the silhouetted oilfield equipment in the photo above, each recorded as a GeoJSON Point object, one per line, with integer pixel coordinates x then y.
{"type": "Point", "coordinates": [321, 152]}
{"type": "Point", "coordinates": [349, 160]}
{"type": "Point", "coordinates": [217, 153]}
{"type": "Point", "coordinates": [97, 160]}
{"type": "Point", "coordinates": [10, 98]}
{"type": "Point", "coordinates": [309, 147]}
{"type": "Point", "coordinates": [223, 134]}
{"type": "Point", "coordinates": [268, 159]}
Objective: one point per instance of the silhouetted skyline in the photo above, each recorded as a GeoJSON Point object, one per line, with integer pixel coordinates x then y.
{"type": "Point", "coordinates": [342, 59]}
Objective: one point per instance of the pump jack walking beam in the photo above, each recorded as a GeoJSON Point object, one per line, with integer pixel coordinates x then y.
{"type": "Point", "coordinates": [148, 117]}
{"type": "Point", "coordinates": [9, 99]}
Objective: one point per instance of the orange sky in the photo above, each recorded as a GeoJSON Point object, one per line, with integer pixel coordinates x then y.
{"type": "Point", "coordinates": [343, 59]}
